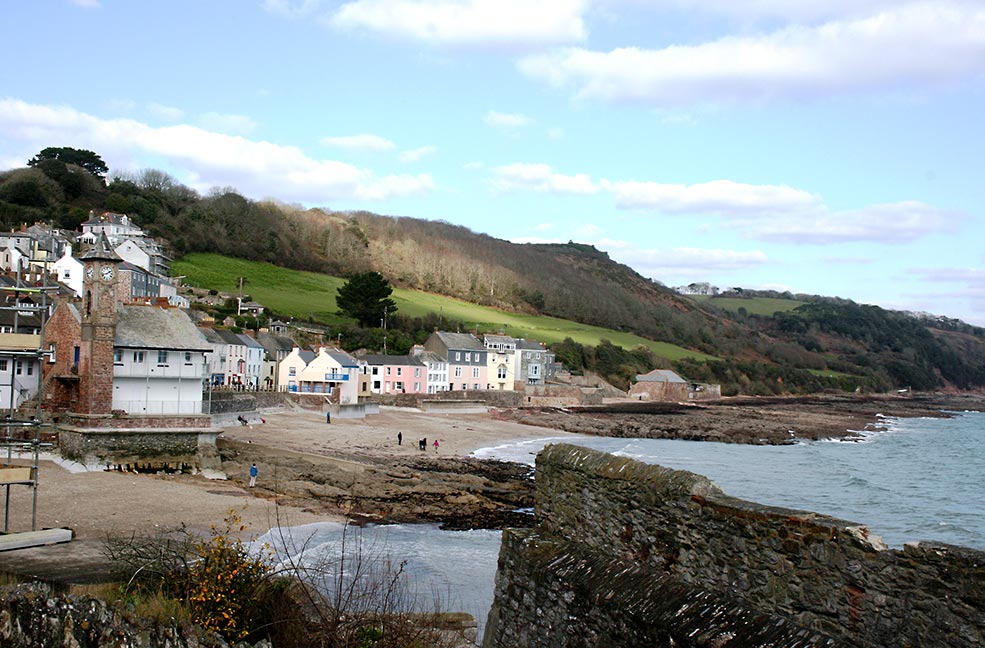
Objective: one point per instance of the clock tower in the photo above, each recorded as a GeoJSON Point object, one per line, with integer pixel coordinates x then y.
{"type": "Point", "coordinates": [99, 301]}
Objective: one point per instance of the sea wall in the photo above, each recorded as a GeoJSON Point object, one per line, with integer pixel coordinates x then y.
{"type": "Point", "coordinates": [625, 553]}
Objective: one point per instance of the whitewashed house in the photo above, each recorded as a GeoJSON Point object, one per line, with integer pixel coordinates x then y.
{"type": "Point", "coordinates": [158, 362]}
{"type": "Point", "coordinates": [20, 369]}
{"type": "Point", "coordinates": [68, 270]}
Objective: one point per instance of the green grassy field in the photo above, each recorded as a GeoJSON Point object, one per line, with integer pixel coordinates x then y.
{"type": "Point", "coordinates": [309, 294]}
{"type": "Point", "coordinates": [754, 306]}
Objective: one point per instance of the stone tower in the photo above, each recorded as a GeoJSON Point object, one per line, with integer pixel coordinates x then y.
{"type": "Point", "coordinates": [99, 300]}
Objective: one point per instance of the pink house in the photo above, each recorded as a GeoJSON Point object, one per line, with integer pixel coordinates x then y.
{"type": "Point", "coordinates": [390, 374]}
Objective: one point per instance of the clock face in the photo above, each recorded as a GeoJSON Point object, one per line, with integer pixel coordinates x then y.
{"type": "Point", "coordinates": [89, 272]}
{"type": "Point", "coordinates": [106, 273]}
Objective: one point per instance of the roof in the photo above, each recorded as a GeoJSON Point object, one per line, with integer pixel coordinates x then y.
{"type": "Point", "coordinates": [460, 341]}
{"type": "Point", "coordinates": [210, 335]}
{"type": "Point", "coordinates": [498, 339]}
{"type": "Point", "coordinates": [307, 355]}
{"type": "Point", "coordinates": [274, 343]}
{"type": "Point", "coordinates": [250, 342]}
{"type": "Point", "coordinates": [101, 250]}
{"type": "Point", "coordinates": [660, 375]}
{"type": "Point", "coordinates": [19, 341]}
{"type": "Point", "coordinates": [341, 357]}
{"type": "Point", "coordinates": [149, 327]}
{"type": "Point", "coordinates": [393, 360]}
{"type": "Point", "coordinates": [530, 345]}
{"type": "Point", "coordinates": [228, 337]}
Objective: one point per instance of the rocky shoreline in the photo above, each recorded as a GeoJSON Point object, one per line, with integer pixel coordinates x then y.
{"type": "Point", "coordinates": [748, 420]}
{"type": "Point", "coordinates": [466, 493]}
{"type": "Point", "coordinates": [454, 492]}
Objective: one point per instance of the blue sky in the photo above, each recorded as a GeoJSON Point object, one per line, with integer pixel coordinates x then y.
{"type": "Point", "coordinates": [830, 147]}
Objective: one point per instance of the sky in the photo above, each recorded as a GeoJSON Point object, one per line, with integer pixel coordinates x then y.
{"type": "Point", "coordinates": [830, 147]}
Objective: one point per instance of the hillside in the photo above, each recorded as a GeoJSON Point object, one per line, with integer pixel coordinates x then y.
{"type": "Point", "coordinates": [751, 343]}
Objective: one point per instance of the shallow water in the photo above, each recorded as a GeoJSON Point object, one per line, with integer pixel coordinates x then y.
{"type": "Point", "coordinates": [919, 479]}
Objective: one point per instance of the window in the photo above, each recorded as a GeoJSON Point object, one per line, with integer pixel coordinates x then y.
{"type": "Point", "coordinates": [475, 386]}
{"type": "Point", "coordinates": [475, 372]}
{"type": "Point", "coordinates": [538, 356]}
{"type": "Point", "coordinates": [3, 365]}
{"type": "Point", "coordinates": [162, 357]}
{"type": "Point", "coordinates": [464, 386]}
{"type": "Point", "coordinates": [417, 372]}
{"type": "Point", "coordinates": [292, 371]}
{"type": "Point", "coordinates": [501, 374]}
{"type": "Point", "coordinates": [468, 357]}
{"type": "Point", "coordinates": [458, 355]}
{"type": "Point", "coordinates": [30, 368]}
{"type": "Point", "coordinates": [188, 357]}
{"type": "Point", "coordinates": [400, 371]}
{"type": "Point", "coordinates": [458, 372]}
{"type": "Point", "coordinates": [138, 357]}
{"type": "Point", "coordinates": [51, 352]}
{"type": "Point", "coordinates": [388, 369]}
{"type": "Point", "coordinates": [19, 366]}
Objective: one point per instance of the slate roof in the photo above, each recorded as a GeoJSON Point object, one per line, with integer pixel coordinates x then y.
{"type": "Point", "coordinates": [465, 341]}
{"type": "Point", "coordinates": [101, 250]}
{"type": "Point", "coordinates": [342, 358]}
{"type": "Point", "coordinates": [210, 335]}
{"type": "Point", "coordinates": [660, 375]}
{"type": "Point", "coordinates": [275, 343]}
{"type": "Point", "coordinates": [149, 327]}
{"type": "Point", "coordinates": [249, 342]}
{"type": "Point", "coordinates": [307, 356]}
{"type": "Point", "coordinates": [228, 337]}
{"type": "Point", "coordinates": [380, 360]}
{"type": "Point", "coordinates": [498, 339]}
{"type": "Point", "coordinates": [529, 345]}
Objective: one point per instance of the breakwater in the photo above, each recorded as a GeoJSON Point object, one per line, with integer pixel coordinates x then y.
{"type": "Point", "coordinates": [626, 553]}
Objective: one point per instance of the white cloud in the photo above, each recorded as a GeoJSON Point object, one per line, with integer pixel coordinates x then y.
{"type": "Point", "coordinates": [799, 10]}
{"type": "Point", "coordinates": [167, 113]}
{"type": "Point", "coordinates": [230, 124]}
{"type": "Point", "coordinates": [680, 263]}
{"type": "Point", "coordinates": [257, 168]}
{"type": "Point", "coordinates": [715, 197]}
{"type": "Point", "coordinates": [418, 154]}
{"type": "Point", "coordinates": [292, 9]}
{"type": "Point", "coordinates": [900, 222]}
{"type": "Point", "coordinates": [87, 4]}
{"type": "Point", "coordinates": [911, 45]}
{"type": "Point", "coordinates": [469, 22]}
{"type": "Point", "coordinates": [540, 178]}
{"type": "Point", "coordinates": [506, 120]}
{"type": "Point", "coordinates": [363, 142]}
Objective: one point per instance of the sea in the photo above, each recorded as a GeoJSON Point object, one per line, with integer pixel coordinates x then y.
{"type": "Point", "coordinates": [906, 479]}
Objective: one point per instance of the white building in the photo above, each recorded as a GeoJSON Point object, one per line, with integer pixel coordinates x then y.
{"type": "Point", "coordinates": [68, 270]}
{"type": "Point", "coordinates": [20, 369]}
{"type": "Point", "coordinates": [501, 361]}
{"type": "Point", "coordinates": [158, 362]}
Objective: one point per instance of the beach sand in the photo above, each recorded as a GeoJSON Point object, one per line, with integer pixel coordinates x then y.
{"type": "Point", "coordinates": [97, 503]}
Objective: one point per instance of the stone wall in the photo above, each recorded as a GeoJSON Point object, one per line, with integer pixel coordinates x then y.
{"type": "Point", "coordinates": [624, 549]}
{"type": "Point", "coordinates": [32, 615]}
{"type": "Point", "coordinates": [492, 398]}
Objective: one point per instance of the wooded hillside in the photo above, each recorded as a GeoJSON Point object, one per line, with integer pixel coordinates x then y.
{"type": "Point", "coordinates": [822, 343]}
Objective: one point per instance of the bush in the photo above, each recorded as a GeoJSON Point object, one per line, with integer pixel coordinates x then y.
{"type": "Point", "coordinates": [227, 583]}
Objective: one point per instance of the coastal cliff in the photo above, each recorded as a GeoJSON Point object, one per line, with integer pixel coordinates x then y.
{"type": "Point", "coordinates": [625, 553]}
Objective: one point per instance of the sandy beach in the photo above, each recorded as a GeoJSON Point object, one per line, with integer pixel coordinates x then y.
{"type": "Point", "coordinates": [97, 503]}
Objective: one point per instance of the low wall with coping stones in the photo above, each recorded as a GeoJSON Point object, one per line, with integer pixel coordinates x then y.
{"type": "Point", "coordinates": [653, 535]}
{"type": "Point", "coordinates": [185, 442]}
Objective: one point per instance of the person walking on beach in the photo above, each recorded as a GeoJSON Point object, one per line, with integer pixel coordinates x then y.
{"type": "Point", "coordinates": [400, 438]}
{"type": "Point", "coordinates": [435, 446]}
{"type": "Point", "coordinates": [253, 475]}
